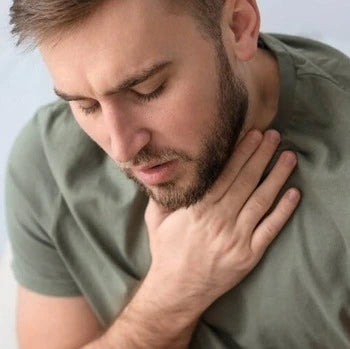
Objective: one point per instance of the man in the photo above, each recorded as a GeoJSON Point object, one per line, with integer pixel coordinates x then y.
{"type": "Point", "coordinates": [177, 94]}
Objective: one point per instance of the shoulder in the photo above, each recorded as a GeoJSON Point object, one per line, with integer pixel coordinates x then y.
{"type": "Point", "coordinates": [315, 59]}
{"type": "Point", "coordinates": [52, 157]}
{"type": "Point", "coordinates": [30, 184]}
{"type": "Point", "coordinates": [45, 131]}
{"type": "Point", "coordinates": [44, 144]}
{"type": "Point", "coordinates": [33, 197]}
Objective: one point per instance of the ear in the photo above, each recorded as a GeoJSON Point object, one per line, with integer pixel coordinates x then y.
{"type": "Point", "coordinates": [241, 27]}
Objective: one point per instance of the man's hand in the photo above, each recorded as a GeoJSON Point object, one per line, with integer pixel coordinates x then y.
{"type": "Point", "coordinates": [201, 252]}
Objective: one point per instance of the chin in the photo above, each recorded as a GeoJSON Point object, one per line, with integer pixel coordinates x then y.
{"type": "Point", "coordinates": [176, 195]}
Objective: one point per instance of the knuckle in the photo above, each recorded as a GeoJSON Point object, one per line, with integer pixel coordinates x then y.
{"type": "Point", "coordinates": [244, 151]}
{"type": "Point", "coordinates": [246, 180]}
{"type": "Point", "coordinates": [234, 242]}
{"type": "Point", "coordinates": [270, 231]}
{"type": "Point", "coordinates": [247, 219]}
{"type": "Point", "coordinates": [261, 203]}
{"type": "Point", "coordinates": [217, 226]}
{"type": "Point", "coordinates": [244, 260]}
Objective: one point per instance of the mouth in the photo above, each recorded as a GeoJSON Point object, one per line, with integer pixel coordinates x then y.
{"type": "Point", "coordinates": [156, 173]}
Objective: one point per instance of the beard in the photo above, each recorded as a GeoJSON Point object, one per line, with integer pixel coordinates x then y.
{"type": "Point", "coordinates": [216, 147]}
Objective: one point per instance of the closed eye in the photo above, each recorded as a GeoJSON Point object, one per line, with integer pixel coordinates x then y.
{"type": "Point", "coordinates": [149, 96]}
{"type": "Point", "coordinates": [141, 96]}
{"type": "Point", "coordinates": [89, 110]}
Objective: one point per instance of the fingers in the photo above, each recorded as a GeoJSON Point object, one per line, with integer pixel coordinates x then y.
{"type": "Point", "coordinates": [244, 150]}
{"type": "Point", "coordinates": [264, 196]}
{"type": "Point", "coordinates": [272, 224]}
{"type": "Point", "coordinates": [250, 175]}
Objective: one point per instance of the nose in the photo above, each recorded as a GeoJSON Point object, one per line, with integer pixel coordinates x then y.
{"type": "Point", "coordinates": [126, 137]}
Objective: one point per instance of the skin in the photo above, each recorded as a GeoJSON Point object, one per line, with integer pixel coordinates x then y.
{"type": "Point", "coordinates": [196, 119]}
{"type": "Point", "coordinates": [215, 149]}
{"type": "Point", "coordinates": [221, 245]}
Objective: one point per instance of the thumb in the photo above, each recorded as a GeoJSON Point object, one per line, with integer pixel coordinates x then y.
{"type": "Point", "coordinates": [155, 214]}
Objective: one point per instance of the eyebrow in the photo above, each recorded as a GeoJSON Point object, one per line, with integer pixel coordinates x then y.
{"type": "Point", "coordinates": [129, 82]}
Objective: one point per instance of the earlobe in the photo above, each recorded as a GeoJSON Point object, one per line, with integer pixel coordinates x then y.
{"type": "Point", "coordinates": [242, 22]}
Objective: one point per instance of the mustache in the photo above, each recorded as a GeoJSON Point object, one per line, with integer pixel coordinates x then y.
{"type": "Point", "coordinates": [148, 154]}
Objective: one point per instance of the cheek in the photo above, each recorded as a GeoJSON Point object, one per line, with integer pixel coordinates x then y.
{"type": "Point", "coordinates": [188, 118]}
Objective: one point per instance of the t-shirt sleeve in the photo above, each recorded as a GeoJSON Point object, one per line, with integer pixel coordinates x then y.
{"type": "Point", "coordinates": [32, 197]}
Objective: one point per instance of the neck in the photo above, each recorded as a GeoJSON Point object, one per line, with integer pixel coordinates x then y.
{"type": "Point", "coordinates": [263, 83]}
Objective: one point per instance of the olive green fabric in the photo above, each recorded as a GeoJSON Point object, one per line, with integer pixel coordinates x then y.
{"type": "Point", "coordinates": [76, 224]}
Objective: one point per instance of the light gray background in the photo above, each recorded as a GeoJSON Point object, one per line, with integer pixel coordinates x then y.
{"type": "Point", "coordinates": [25, 85]}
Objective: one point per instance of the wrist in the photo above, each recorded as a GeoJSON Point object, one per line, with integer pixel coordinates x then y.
{"type": "Point", "coordinates": [166, 303]}
{"type": "Point", "coordinates": [155, 321]}
{"type": "Point", "coordinates": [171, 294]}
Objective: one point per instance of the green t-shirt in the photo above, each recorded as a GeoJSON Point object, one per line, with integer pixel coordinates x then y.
{"type": "Point", "coordinates": [76, 223]}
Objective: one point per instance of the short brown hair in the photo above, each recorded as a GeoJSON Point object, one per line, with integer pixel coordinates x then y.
{"type": "Point", "coordinates": [37, 20]}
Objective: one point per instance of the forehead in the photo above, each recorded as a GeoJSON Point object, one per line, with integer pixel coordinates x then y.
{"type": "Point", "coordinates": [119, 38]}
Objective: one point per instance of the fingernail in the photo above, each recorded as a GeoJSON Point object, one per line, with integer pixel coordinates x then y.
{"type": "Point", "coordinates": [274, 136]}
{"type": "Point", "coordinates": [293, 195]}
{"type": "Point", "coordinates": [289, 158]}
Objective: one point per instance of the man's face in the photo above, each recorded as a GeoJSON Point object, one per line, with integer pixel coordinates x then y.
{"type": "Point", "coordinates": [174, 110]}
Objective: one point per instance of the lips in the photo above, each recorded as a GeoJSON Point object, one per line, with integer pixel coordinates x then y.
{"type": "Point", "coordinates": [156, 173]}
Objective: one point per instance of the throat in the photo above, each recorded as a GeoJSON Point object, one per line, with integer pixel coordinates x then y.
{"type": "Point", "coordinates": [265, 87]}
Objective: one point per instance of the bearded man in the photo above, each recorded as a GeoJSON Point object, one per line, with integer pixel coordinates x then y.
{"type": "Point", "coordinates": [189, 100]}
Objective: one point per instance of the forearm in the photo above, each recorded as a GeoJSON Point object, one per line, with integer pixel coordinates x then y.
{"type": "Point", "coordinates": [150, 321]}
